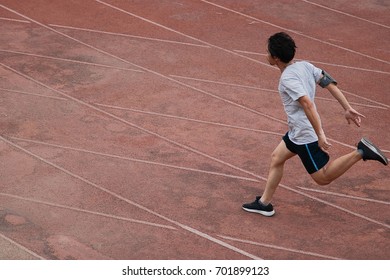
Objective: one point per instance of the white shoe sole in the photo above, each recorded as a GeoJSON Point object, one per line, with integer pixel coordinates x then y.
{"type": "Point", "coordinates": [264, 213]}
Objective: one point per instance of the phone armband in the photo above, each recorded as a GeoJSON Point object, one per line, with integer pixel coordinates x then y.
{"type": "Point", "coordinates": [326, 80]}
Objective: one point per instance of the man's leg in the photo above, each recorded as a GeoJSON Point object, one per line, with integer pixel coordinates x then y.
{"type": "Point", "coordinates": [365, 150]}
{"type": "Point", "coordinates": [336, 168]}
{"type": "Point", "coordinates": [279, 156]}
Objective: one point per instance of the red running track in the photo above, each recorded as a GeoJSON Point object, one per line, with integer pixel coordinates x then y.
{"type": "Point", "coordinates": [130, 130]}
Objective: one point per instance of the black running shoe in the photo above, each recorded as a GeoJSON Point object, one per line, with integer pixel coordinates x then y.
{"type": "Point", "coordinates": [371, 152]}
{"type": "Point", "coordinates": [258, 207]}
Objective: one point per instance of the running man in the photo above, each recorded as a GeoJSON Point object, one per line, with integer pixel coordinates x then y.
{"type": "Point", "coordinates": [305, 136]}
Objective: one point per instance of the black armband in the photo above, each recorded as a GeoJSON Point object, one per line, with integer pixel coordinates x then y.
{"type": "Point", "coordinates": [326, 80]}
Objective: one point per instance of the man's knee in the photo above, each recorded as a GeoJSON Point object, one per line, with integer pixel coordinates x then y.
{"type": "Point", "coordinates": [320, 178]}
{"type": "Point", "coordinates": [322, 182]}
{"type": "Point", "coordinates": [280, 155]}
{"type": "Point", "coordinates": [277, 158]}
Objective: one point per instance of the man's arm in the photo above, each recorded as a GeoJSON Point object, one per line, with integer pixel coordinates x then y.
{"type": "Point", "coordinates": [350, 113]}
{"type": "Point", "coordinates": [315, 121]}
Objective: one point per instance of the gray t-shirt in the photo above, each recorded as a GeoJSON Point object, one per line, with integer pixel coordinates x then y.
{"type": "Point", "coordinates": [297, 80]}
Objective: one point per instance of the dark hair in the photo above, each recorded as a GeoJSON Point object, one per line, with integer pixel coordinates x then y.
{"type": "Point", "coordinates": [282, 46]}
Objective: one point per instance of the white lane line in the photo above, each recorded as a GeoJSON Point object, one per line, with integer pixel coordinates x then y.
{"type": "Point", "coordinates": [203, 46]}
{"type": "Point", "coordinates": [323, 63]}
{"type": "Point", "coordinates": [380, 104]}
{"type": "Point", "coordinates": [113, 116]}
{"type": "Point", "coordinates": [33, 94]}
{"type": "Point", "coordinates": [152, 113]}
{"type": "Point", "coordinates": [156, 73]}
{"type": "Point", "coordinates": [203, 154]}
{"type": "Point", "coordinates": [297, 33]}
{"type": "Point", "coordinates": [148, 162]}
{"type": "Point", "coordinates": [114, 217]}
{"type": "Point", "coordinates": [223, 83]}
{"type": "Point", "coordinates": [20, 246]}
{"type": "Point", "coordinates": [354, 147]}
{"type": "Point", "coordinates": [135, 65]}
{"type": "Point", "coordinates": [18, 139]}
{"type": "Point", "coordinates": [266, 245]}
{"type": "Point", "coordinates": [127, 35]}
{"type": "Point", "coordinates": [322, 6]}
{"type": "Point", "coordinates": [383, 107]}
{"type": "Point", "coordinates": [180, 33]}
{"type": "Point", "coordinates": [189, 119]}
{"type": "Point", "coordinates": [233, 126]}
{"type": "Point", "coordinates": [14, 20]}
{"type": "Point", "coordinates": [337, 207]}
{"type": "Point", "coordinates": [153, 72]}
{"type": "Point", "coordinates": [70, 60]}
{"type": "Point", "coordinates": [183, 34]}
{"type": "Point", "coordinates": [345, 195]}
{"type": "Point", "coordinates": [366, 99]}
{"type": "Point", "coordinates": [178, 224]}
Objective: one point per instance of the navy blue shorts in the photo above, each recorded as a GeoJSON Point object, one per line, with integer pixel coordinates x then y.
{"type": "Point", "coordinates": [311, 155]}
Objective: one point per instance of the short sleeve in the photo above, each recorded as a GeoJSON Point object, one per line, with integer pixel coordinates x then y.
{"type": "Point", "coordinates": [317, 72]}
{"type": "Point", "coordinates": [293, 86]}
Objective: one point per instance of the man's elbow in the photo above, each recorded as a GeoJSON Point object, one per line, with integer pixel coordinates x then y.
{"type": "Point", "coordinates": [306, 103]}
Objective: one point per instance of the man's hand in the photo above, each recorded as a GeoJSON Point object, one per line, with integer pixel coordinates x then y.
{"type": "Point", "coordinates": [323, 143]}
{"type": "Point", "coordinates": [350, 113]}
{"type": "Point", "coordinates": [354, 116]}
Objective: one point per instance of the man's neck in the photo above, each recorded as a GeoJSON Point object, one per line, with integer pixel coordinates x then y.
{"type": "Point", "coordinates": [282, 65]}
